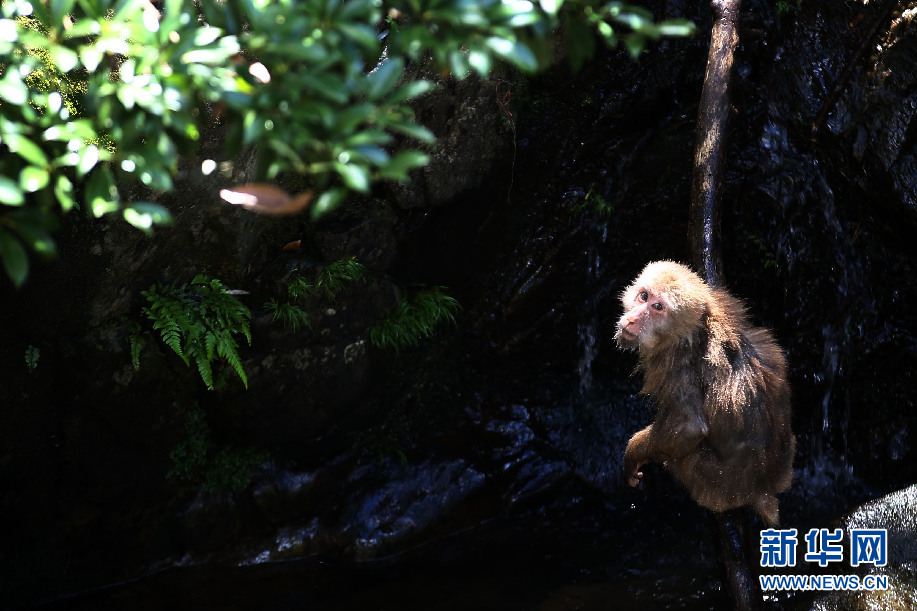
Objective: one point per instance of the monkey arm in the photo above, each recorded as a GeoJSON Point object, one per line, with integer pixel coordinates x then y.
{"type": "Point", "coordinates": [636, 455]}
{"type": "Point", "coordinates": [676, 433]}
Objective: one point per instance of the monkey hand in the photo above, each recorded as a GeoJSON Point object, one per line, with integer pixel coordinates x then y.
{"type": "Point", "coordinates": [633, 475]}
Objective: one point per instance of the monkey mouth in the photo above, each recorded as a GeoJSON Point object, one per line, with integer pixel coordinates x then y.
{"type": "Point", "coordinates": [627, 335]}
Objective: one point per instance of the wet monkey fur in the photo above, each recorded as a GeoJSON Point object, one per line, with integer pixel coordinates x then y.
{"type": "Point", "coordinates": [723, 425]}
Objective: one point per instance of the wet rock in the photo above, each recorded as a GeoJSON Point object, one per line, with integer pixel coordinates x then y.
{"type": "Point", "coordinates": [896, 513]}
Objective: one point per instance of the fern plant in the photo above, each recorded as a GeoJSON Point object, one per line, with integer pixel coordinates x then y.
{"type": "Point", "coordinates": [31, 357]}
{"type": "Point", "coordinates": [198, 321]}
{"type": "Point", "coordinates": [337, 274]}
{"type": "Point", "coordinates": [330, 283]}
{"type": "Point", "coordinates": [290, 314]}
{"type": "Point", "coordinates": [214, 468]}
{"type": "Point", "coordinates": [415, 318]}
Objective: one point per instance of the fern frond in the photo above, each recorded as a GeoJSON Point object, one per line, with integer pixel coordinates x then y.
{"type": "Point", "coordinates": [204, 368]}
{"type": "Point", "coordinates": [229, 350]}
{"type": "Point", "coordinates": [415, 318]}
{"type": "Point", "coordinates": [337, 274]}
{"type": "Point", "coordinates": [197, 321]}
{"type": "Point", "coordinates": [136, 342]}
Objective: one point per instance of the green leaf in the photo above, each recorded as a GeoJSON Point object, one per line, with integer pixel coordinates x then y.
{"type": "Point", "coordinates": [101, 194]}
{"type": "Point", "coordinates": [480, 62]}
{"type": "Point", "coordinates": [411, 90]}
{"type": "Point", "coordinates": [676, 27]}
{"type": "Point", "coordinates": [403, 162]}
{"type": "Point", "coordinates": [89, 156]}
{"type": "Point", "coordinates": [63, 191]}
{"type": "Point", "coordinates": [13, 90]}
{"type": "Point", "coordinates": [327, 85]}
{"type": "Point", "coordinates": [328, 201]}
{"type": "Point", "coordinates": [356, 177]}
{"type": "Point", "coordinates": [32, 179]}
{"type": "Point", "coordinates": [384, 77]}
{"type": "Point", "coordinates": [65, 59]}
{"type": "Point", "coordinates": [418, 132]}
{"type": "Point", "coordinates": [143, 215]}
{"type": "Point", "coordinates": [514, 52]}
{"type": "Point", "coordinates": [10, 193]}
{"type": "Point", "coordinates": [14, 258]}
{"type": "Point", "coordinates": [26, 149]}
{"type": "Point", "coordinates": [60, 9]}
{"type": "Point", "coordinates": [551, 7]}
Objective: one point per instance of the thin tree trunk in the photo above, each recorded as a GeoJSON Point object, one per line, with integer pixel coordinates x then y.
{"type": "Point", "coordinates": [710, 148]}
{"type": "Point", "coordinates": [704, 239]}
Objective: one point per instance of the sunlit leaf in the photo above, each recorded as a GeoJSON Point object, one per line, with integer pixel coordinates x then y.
{"type": "Point", "coordinates": [63, 191]}
{"type": "Point", "coordinates": [26, 149]}
{"type": "Point", "coordinates": [144, 215]}
{"type": "Point", "coordinates": [101, 193]}
{"type": "Point", "coordinates": [12, 89]}
{"type": "Point", "coordinates": [89, 156]}
{"type": "Point", "coordinates": [32, 179]}
{"type": "Point", "coordinates": [677, 27]}
{"type": "Point", "coordinates": [65, 59]}
{"type": "Point", "coordinates": [10, 193]}
{"type": "Point", "coordinates": [515, 52]}
{"type": "Point", "coordinates": [356, 177]}
{"type": "Point", "coordinates": [327, 201]}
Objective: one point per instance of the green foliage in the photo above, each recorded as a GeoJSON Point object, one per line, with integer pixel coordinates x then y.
{"type": "Point", "coordinates": [136, 342]}
{"type": "Point", "coordinates": [214, 469]}
{"type": "Point", "coordinates": [100, 94]}
{"type": "Point", "coordinates": [31, 357]}
{"type": "Point", "coordinates": [415, 318]}
{"type": "Point", "coordinates": [337, 275]}
{"type": "Point", "coordinates": [594, 201]}
{"type": "Point", "coordinates": [290, 314]}
{"type": "Point", "coordinates": [299, 288]}
{"type": "Point", "coordinates": [785, 7]}
{"type": "Point", "coordinates": [331, 282]}
{"type": "Point", "coordinates": [198, 322]}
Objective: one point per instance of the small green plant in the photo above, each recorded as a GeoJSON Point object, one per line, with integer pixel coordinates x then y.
{"type": "Point", "coordinates": [337, 274]}
{"type": "Point", "coordinates": [594, 201]}
{"type": "Point", "coordinates": [198, 321]}
{"type": "Point", "coordinates": [31, 357]}
{"type": "Point", "coordinates": [136, 341]}
{"type": "Point", "coordinates": [200, 461]}
{"type": "Point", "coordinates": [290, 314]}
{"type": "Point", "coordinates": [787, 6]}
{"type": "Point", "coordinates": [415, 318]}
{"type": "Point", "coordinates": [333, 280]}
{"type": "Point", "coordinates": [770, 260]}
{"type": "Point", "coordinates": [299, 287]}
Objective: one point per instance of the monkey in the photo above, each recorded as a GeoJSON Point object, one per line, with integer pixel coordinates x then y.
{"type": "Point", "coordinates": [723, 427]}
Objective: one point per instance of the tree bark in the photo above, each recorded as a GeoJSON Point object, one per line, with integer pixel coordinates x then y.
{"type": "Point", "coordinates": [704, 240]}
{"type": "Point", "coordinates": [710, 148]}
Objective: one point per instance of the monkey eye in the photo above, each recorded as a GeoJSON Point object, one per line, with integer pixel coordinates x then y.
{"type": "Point", "coordinates": [657, 306]}
{"type": "Point", "coordinates": [644, 296]}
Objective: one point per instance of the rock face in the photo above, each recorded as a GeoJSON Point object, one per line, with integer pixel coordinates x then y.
{"type": "Point", "coordinates": [536, 207]}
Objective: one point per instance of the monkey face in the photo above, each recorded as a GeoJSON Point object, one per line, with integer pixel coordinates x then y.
{"type": "Point", "coordinates": [664, 305]}
{"type": "Point", "coordinates": [645, 318]}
